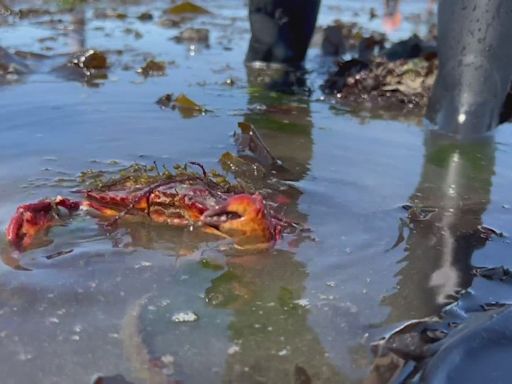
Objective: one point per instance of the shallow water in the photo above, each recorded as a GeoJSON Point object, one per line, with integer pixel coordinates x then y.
{"type": "Point", "coordinates": [305, 309]}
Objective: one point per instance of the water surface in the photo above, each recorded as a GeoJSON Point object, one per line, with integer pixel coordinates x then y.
{"type": "Point", "coordinates": [305, 309]}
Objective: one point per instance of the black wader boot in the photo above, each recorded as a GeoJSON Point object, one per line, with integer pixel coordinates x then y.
{"type": "Point", "coordinates": [281, 30]}
{"type": "Point", "coordinates": [475, 66]}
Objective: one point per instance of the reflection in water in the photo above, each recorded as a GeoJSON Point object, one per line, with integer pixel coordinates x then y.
{"type": "Point", "coordinates": [283, 121]}
{"type": "Point", "coordinates": [275, 343]}
{"type": "Point", "coordinates": [73, 306]}
{"type": "Point", "coordinates": [77, 36]}
{"type": "Point", "coordinates": [253, 329]}
{"type": "Point", "coordinates": [444, 226]}
{"type": "Point", "coordinates": [255, 323]}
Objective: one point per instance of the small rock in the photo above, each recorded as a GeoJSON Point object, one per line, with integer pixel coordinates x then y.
{"type": "Point", "coordinates": [230, 81]}
{"type": "Point", "coordinates": [303, 303]}
{"type": "Point", "coordinates": [90, 60]}
{"type": "Point", "coordinates": [194, 35]}
{"type": "Point", "coordinates": [185, 317]}
{"type": "Point", "coordinates": [145, 16]}
{"type": "Point", "coordinates": [109, 14]}
{"type": "Point", "coordinates": [233, 349]}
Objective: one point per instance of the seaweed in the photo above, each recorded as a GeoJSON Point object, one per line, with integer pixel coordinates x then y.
{"type": "Point", "coordinates": [138, 176]}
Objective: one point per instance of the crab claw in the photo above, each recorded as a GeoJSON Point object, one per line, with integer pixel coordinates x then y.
{"type": "Point", "coordinates": [244, 219]}
{"type": "Point", "coordinates": [31, 219]}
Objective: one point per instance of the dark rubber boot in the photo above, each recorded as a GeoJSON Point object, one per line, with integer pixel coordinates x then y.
{"type": "Point", "coordinates": [475, 66]}
{"type": "Point", "coordinates": [281, 30]}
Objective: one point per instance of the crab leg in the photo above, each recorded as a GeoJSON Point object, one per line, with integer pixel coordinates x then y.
{"type": "Point", "coordinates": [108, 203]}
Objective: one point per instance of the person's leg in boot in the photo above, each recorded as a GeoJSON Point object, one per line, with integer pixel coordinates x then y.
{"type": "Point", "coordinates": [475, 66]}
{"type": "Point", "coordinates": [281, 30]}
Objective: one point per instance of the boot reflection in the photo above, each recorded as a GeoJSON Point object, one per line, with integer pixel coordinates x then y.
{"type": "Point", "coordinates": [274, 342]}
{"type": "Point", "coordinates": [444, 226]}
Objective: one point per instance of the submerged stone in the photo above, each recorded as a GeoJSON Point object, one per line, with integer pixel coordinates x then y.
{"type": "Point", "coordinates": [193, 35]}
{"type": "Point", "coordinates": [185, 317]}
{"type": "Point", "coordinates": [90, 60]}
{"type": "Point", "coordinates": [145, 16]}
{"type": "Point", "coordinates": [89, 66]}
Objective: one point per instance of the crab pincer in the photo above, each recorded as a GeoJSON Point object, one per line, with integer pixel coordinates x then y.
{"type": "Point", "coordinates": [245, 219]}
{"type": "Point", "coordinates": [31, 219]}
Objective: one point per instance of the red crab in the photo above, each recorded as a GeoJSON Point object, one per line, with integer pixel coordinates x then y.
{"type": "Point", "coordinates": [245, 219]}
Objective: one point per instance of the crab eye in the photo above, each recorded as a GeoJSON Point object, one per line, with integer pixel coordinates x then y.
{"type": "Point", "coordinates": [231, 216]}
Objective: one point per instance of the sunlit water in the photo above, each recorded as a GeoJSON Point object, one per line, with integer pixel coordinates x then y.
{"type": "Point", "coordinates": [310, 308]}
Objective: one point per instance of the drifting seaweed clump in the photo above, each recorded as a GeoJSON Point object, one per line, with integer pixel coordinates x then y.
{"type": "Point", "coordinates": [139, 175]}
